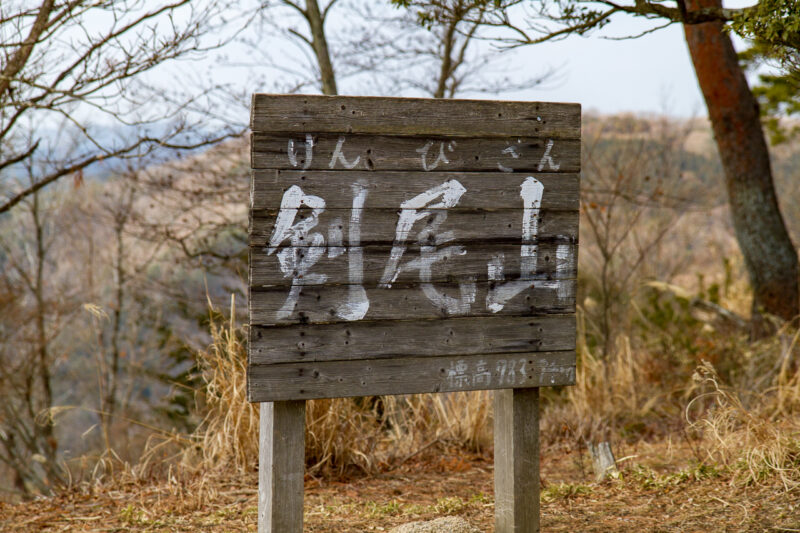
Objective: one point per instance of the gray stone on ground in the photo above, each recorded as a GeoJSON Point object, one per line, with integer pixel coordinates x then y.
{"type": "Point", "coordinates": [448, 524]}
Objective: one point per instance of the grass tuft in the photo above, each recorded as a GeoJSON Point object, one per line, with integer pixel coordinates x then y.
{"type": "Point", "coordinates": [227, 438]}
{"type": "Point", "coordinates": [753, 443]}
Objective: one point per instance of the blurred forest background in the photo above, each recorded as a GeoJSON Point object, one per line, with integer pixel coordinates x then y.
{"type": "Point", "coordinates": [123, 242]}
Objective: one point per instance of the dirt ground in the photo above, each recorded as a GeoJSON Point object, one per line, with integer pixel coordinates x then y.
{"type": "Point", "coordinates": [659, 490]}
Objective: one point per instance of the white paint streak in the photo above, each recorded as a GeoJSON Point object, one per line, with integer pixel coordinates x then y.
{"type": "Point", "coordinates": [295, 263]}
{"type": "Point", "coordinates": [440, 158]}
{"type": "Point", "coordinates": [514, 153]}
{"type": "Point", "coordinates": [305, 248]}
{"type": "Point", "coordinates": [450, 305]}
{"type": "Point", "coordinates": [357, 303]}
{"type": "Point", "coordinates": [563, 266]}
{"type": "Point", "coordinates": [531, 192]}
{"type": "Point", "coordinates": [496, 267]}
{"type": "Point", "coordinates": [500, 294]}
{"type": "Point", "coordinates": [335, 238]}
{"type": "Point", "coordinates": [563, 288]}
{"type": "Point", "coordinates": [429, 256]}
{"type": "Point", "coordinates": [339, 156]}
{"type": "Point", "coordinates": [429, 238]}
{"type": "Point", "coordinates": [309, 144]}
{"type": "Point", "coordinates": [293, 198]}
{"type": "Point", "coordinates": [564, 291]}
{"type": "Point", "coordinates": [547, 158]}
{"type": "Point", "coordinates": [448, 193]}
{"type": "Point", "coordinates": [563, 259]}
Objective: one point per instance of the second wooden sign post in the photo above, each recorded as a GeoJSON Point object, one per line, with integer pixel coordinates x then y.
{"type": "Point", "coordinates": [404, 246]}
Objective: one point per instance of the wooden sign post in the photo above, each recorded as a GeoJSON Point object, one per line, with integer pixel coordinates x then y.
{"type": "Point", "coordinates": [403, 245]}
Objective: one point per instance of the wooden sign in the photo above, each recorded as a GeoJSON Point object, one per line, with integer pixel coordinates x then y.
{"type": "Point", "coordinates": [410, 245]}
{"type": "Point", "coordinates": [405, 245]}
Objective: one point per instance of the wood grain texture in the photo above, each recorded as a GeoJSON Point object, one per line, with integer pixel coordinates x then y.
{"type": "Point", "coordinates": [388, 190]}
{"type": "Point", "coordinates": [413, 116]}
{"type": "Point", "coordinates": [398, 339]}
{"type": "Point", "coordinates": [320, 304]}
{"type": "Point", "coordinates": [482, 300]}
{"type": "Point", "coordinates": [281, 466]}
{"type": "Point", "coordinates": [409, 375]}
{"type": "Point", "coordinates": [466, 262]}
{"type": "Point", "coordinates": [516, 460]}
{"type": "Point", "coordinates": [392, 153]}
{"type": "Point", "coordinates": [379, 226]}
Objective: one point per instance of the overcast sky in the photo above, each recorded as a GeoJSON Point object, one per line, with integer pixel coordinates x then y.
{"type": "Point", "coordinates": [652, 73]}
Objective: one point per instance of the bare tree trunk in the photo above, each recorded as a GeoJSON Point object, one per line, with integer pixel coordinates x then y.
{"type": "Point", "coordinates": [446, 70]}
{"type": "Point", "coordinates": [49, 446]}
{"type": "Point", "coordinates": [769, 254]}
{"type": "Point", "coordinates": [116, 325]}
{"type": "Point", "coordinates": [316, 22]}
{"type": "Point", "coordinates": [18, 61]}
{"type": "Point", "coordinates": [109, 399]}
{"type": "Point", "coordinates": [454, 42]}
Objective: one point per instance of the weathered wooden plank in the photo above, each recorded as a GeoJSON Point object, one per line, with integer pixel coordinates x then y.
{"type": "Point", "coordinates": [484, 190]}
{"type": "Point", "coordinates": [324, 303]}
{"type": "Point", "coordinates": [412, 116]}
{"type": "Point", "coordinates": [281, 464]}
{"type": "Point", "coordinates": [455, 263]}
{"type": "Point", "coordinates": [516, 460]}
{"type": "Point", "coordinates": [382, 153]}
{"type": "Point", "coordinates": [398, 339]}
{"type": "Point", "coordinates": [409, 375]}
{"type": "Point", "coordinates": [379, 226]}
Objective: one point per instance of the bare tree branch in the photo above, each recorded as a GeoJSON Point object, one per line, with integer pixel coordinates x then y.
{"type": "Point", "coordinates": [20, 57]}
{"type": "Point", "coordinates": [64, 65]}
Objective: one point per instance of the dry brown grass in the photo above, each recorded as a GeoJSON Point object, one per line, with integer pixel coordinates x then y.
{"type": "Point", "coordinates": [461, 419]}
{"type": "Point", "coordinates": [343, 435]}
{"type": "Point", "coordinates": [228, 435]}
{"type": "Point", "coordinates": [373, 434]}
{"type": "Point", "coordinates": [632, 385]}
{"type": "Point", "coordinates": [608, 394]}
{"type": "Point", "coordinates": [610, 400]}
{"type": "Point", "coordinates": [753, 442]}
